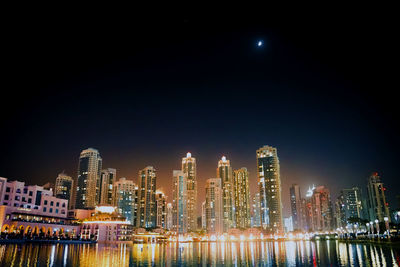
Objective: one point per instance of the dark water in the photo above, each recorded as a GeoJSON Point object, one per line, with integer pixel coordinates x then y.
{"type": "Point", "coordinates": [289, 253]}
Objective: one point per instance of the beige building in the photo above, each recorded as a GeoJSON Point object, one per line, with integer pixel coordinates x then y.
{"type": "Point", "coordinates": [224, 171]}
{"type": "Point", "coordinates": [147, 208]}
{"type": "Point", "coordinates": [214, 206]}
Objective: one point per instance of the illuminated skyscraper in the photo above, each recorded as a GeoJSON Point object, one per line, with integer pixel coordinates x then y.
{"type": "Point", "coordinates": [242, 198]}
{"type": "Point", "coordinates": [169, 216]}
{"type": "Point", "coordinates": [214, 207]}
{"type": "Point", "coordinates": [64, 188]}
{"type": "Point", "coordinates": [161, 203]}
{"type": "Point", "coordinates": [320, 209]}
{"type": "Point", "coordinates": [295, 205]}
{"type": "Point", "coordinates": [224, 171]}
{"type": "Point", "coordinates": [87, 185]}
{"type": "Point", "coordinates": [378, 208]}
{"type": "Point", "coordinates": [147, 209]}
{"type": "Point", "coordinates": [180, 202]}
{"type": "Point", "coordinates": [348, 205]}
{"type": "Point", "coordinates": [256, 210]}
{"type": "Point", "coordinates": [124, 198]}
{"type": "Point", "coordinates": [203, 216]}
{"type": "Point", "coordinates": [108, 177]}
{"type": "Point", "coordinates": [269, 182]}
{"type": "Point", "coordinates": [189, 168]}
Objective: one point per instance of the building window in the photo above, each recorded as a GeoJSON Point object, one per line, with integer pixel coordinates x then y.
{"type": "Point", "coordinates": [63, 205]}
{"type": "Point", "coordinates": [51, 210]}
{"type": "Point", "coordinates": [23, 199]}
{"type": "Point", "coordinates": [57, 204]}
{"type": "Point", "coordinates": [51, 203]}
{"type": "Point", "coordinates": [8, 189]}
{"type": "Point", "coordinates": [45, 202]}
{"type": "Point", "coordinates": [44, 209]}
{"type": "Point", "coordinates": [17, 198]}
{"type": "Point", "coordinates": [25, 190]}
{"type": "Point", "coordinates": [15, 204]}
{"type": "Point", "coordinates": [30, 193]}
{"type": "Point", "coordinates": [56, 210]}
{"type": "Point", "coordinates": [62, 211]}
{"type": "Point", "coordinates": [29, 200]}
{"type": "Point", "coordinates": [5, 203]}
{"type": "Point", "coordinates": [6, 197]}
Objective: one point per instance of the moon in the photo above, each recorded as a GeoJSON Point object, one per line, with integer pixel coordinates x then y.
{"type": "Point", "coordinates": [260, 43]}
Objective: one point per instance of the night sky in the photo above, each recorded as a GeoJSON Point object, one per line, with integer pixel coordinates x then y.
{"type": "Point", "coordinates": [146, 91]}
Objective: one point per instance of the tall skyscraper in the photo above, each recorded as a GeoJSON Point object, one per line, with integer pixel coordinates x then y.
{"type": "Point", "coordinates": [349, 204]}
{"type": "Point", "coordinates": [321, 209]}
{"type": "Point", "coordinates": [124, 198]}
{"type": "Point", "coordinates": [242, 198]}
{"type": "Point", "coordinates": [214, 205]}
{"type": "Point", "coordinates": [203, 216]}
{"type": "Point", "coordinates": [147, 209]}
{"type": "Point", "coordinates": [224, 171]}
{"type": "Point", "coordinates": [180, 202]}
{"type": "Point", "coordinates": [295, 205]}
{"type": "Point", "coordinates": [170, 213]}
{"type": "Point", "coordinates": [87, 184]}
{"type": "Point", "coordinates": [161, 203]}
{"type": "Point", "coordinates": [107, 179]}
{"type": "Point", "coordinates": [256, 210]}
{"type": "Point", "coordinates": [269, 182]}
{"type": "Point", "coordinates": [378, 207]}
{"type": "Point", "coordinates": [64, 188]}
{"type": "Point", "coordinates": [189, 168]}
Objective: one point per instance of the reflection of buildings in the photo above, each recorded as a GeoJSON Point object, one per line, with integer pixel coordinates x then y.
{"type": "Point", "coordinates": [269, 182]}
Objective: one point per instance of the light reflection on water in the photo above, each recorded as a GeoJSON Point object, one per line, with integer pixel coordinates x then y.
{"type": "Point", "coordinates": [289, 253]}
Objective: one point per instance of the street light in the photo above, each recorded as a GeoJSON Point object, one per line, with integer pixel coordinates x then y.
{"type": "Point", "coordinates": [368, 229]}
{"type": "Point", "coordinates": [377, 226]}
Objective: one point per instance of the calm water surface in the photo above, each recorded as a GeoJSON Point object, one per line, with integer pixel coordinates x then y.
{"type": "Point", "coordinates": [289, 253]}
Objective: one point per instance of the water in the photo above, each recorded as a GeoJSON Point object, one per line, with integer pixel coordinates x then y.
{"type": "Point", "coordinates": [289, 253]}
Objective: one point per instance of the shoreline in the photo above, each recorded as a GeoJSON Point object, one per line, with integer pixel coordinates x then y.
{"type": "Point", "coordinates": [27, 241]}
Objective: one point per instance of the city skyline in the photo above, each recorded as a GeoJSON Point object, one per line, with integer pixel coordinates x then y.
{"type": "Point", "coordinates": [208, 88]}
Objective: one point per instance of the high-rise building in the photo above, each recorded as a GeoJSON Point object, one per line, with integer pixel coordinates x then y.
{"type": "Point", "coordinates": [180, 202]}
{"type": "Point", "coordinates": [256, 210]}
{"type": "Point", "coordinates": [378, 207]}
{"type": "Point", "coordinates": [161, 203]}
{"type": "Point", "coordinates": [203, 216]}
{"type": "Point", "coordinates": [87, 184]}
{"type": "Point", "coordinates": [349, 204]}
{"type": "Point", "coordinates": [269, 182]}
{"type": "Point", "coordinates": [169, 216]}
{"type": "Point", "coordinates": [107, 179]}
{"type": "Point", "coordinates": [64, 188]}
{"type": "Point", "coordinates": [147, 209]}
{"type": "Point", "coordinates": [224, 171]}
{"type": "Point", "coordinates": [295, 205]}
{"type": "Point", "coordinates": [214, 206]}
{"type": "Point", "coordinates": [124, 198]}
{"type": "Point", "coordinates": [242, 198]}
{"type": "Point", "coordinates": [189, 168]}
{"type": "Point", "coordinates": [321, 209]}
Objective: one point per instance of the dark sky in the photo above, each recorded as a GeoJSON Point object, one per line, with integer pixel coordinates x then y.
{"type": "Point", "coordinates": [145, 91]}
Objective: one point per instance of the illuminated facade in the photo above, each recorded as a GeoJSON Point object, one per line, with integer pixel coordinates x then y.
{"type": "Point", "coordinates": [169, 216]}
{"type": "Point", "coordinates": [161, 203]}
{"type": "Point", "coordinates": [349, 204]}
{"type": "Point", "coordinates": [242, 198]}
{"type": "Point", "coordinates": [89, 169]}
{"type": "Point", "coordinates": [256, 210]}
{"type": "Point", "coordinates": [269, 183]}
{"type": "Point", "coordinates": [180, 203]}
{"type": "Point", "coordinates": [320, 209]}
{"type": "Point", "coordinates": [378, 207]}
{"type": "Point", "coordinates": [147, 209]}
{"type": "Point", "coordinates": [214, 206]}
{"type": "Point", "coordinates": [224, 172]}
{"type": "Point", "coordinates": [107, 179]}
{"type": "Point", "coordinates": [124, 198]}
{"type": "Point", "coordinates": [295, 206]}
{"type": "Point", "coordinates": [189, 168]}
{"type": "Point", "coordinates": [64, 187]}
